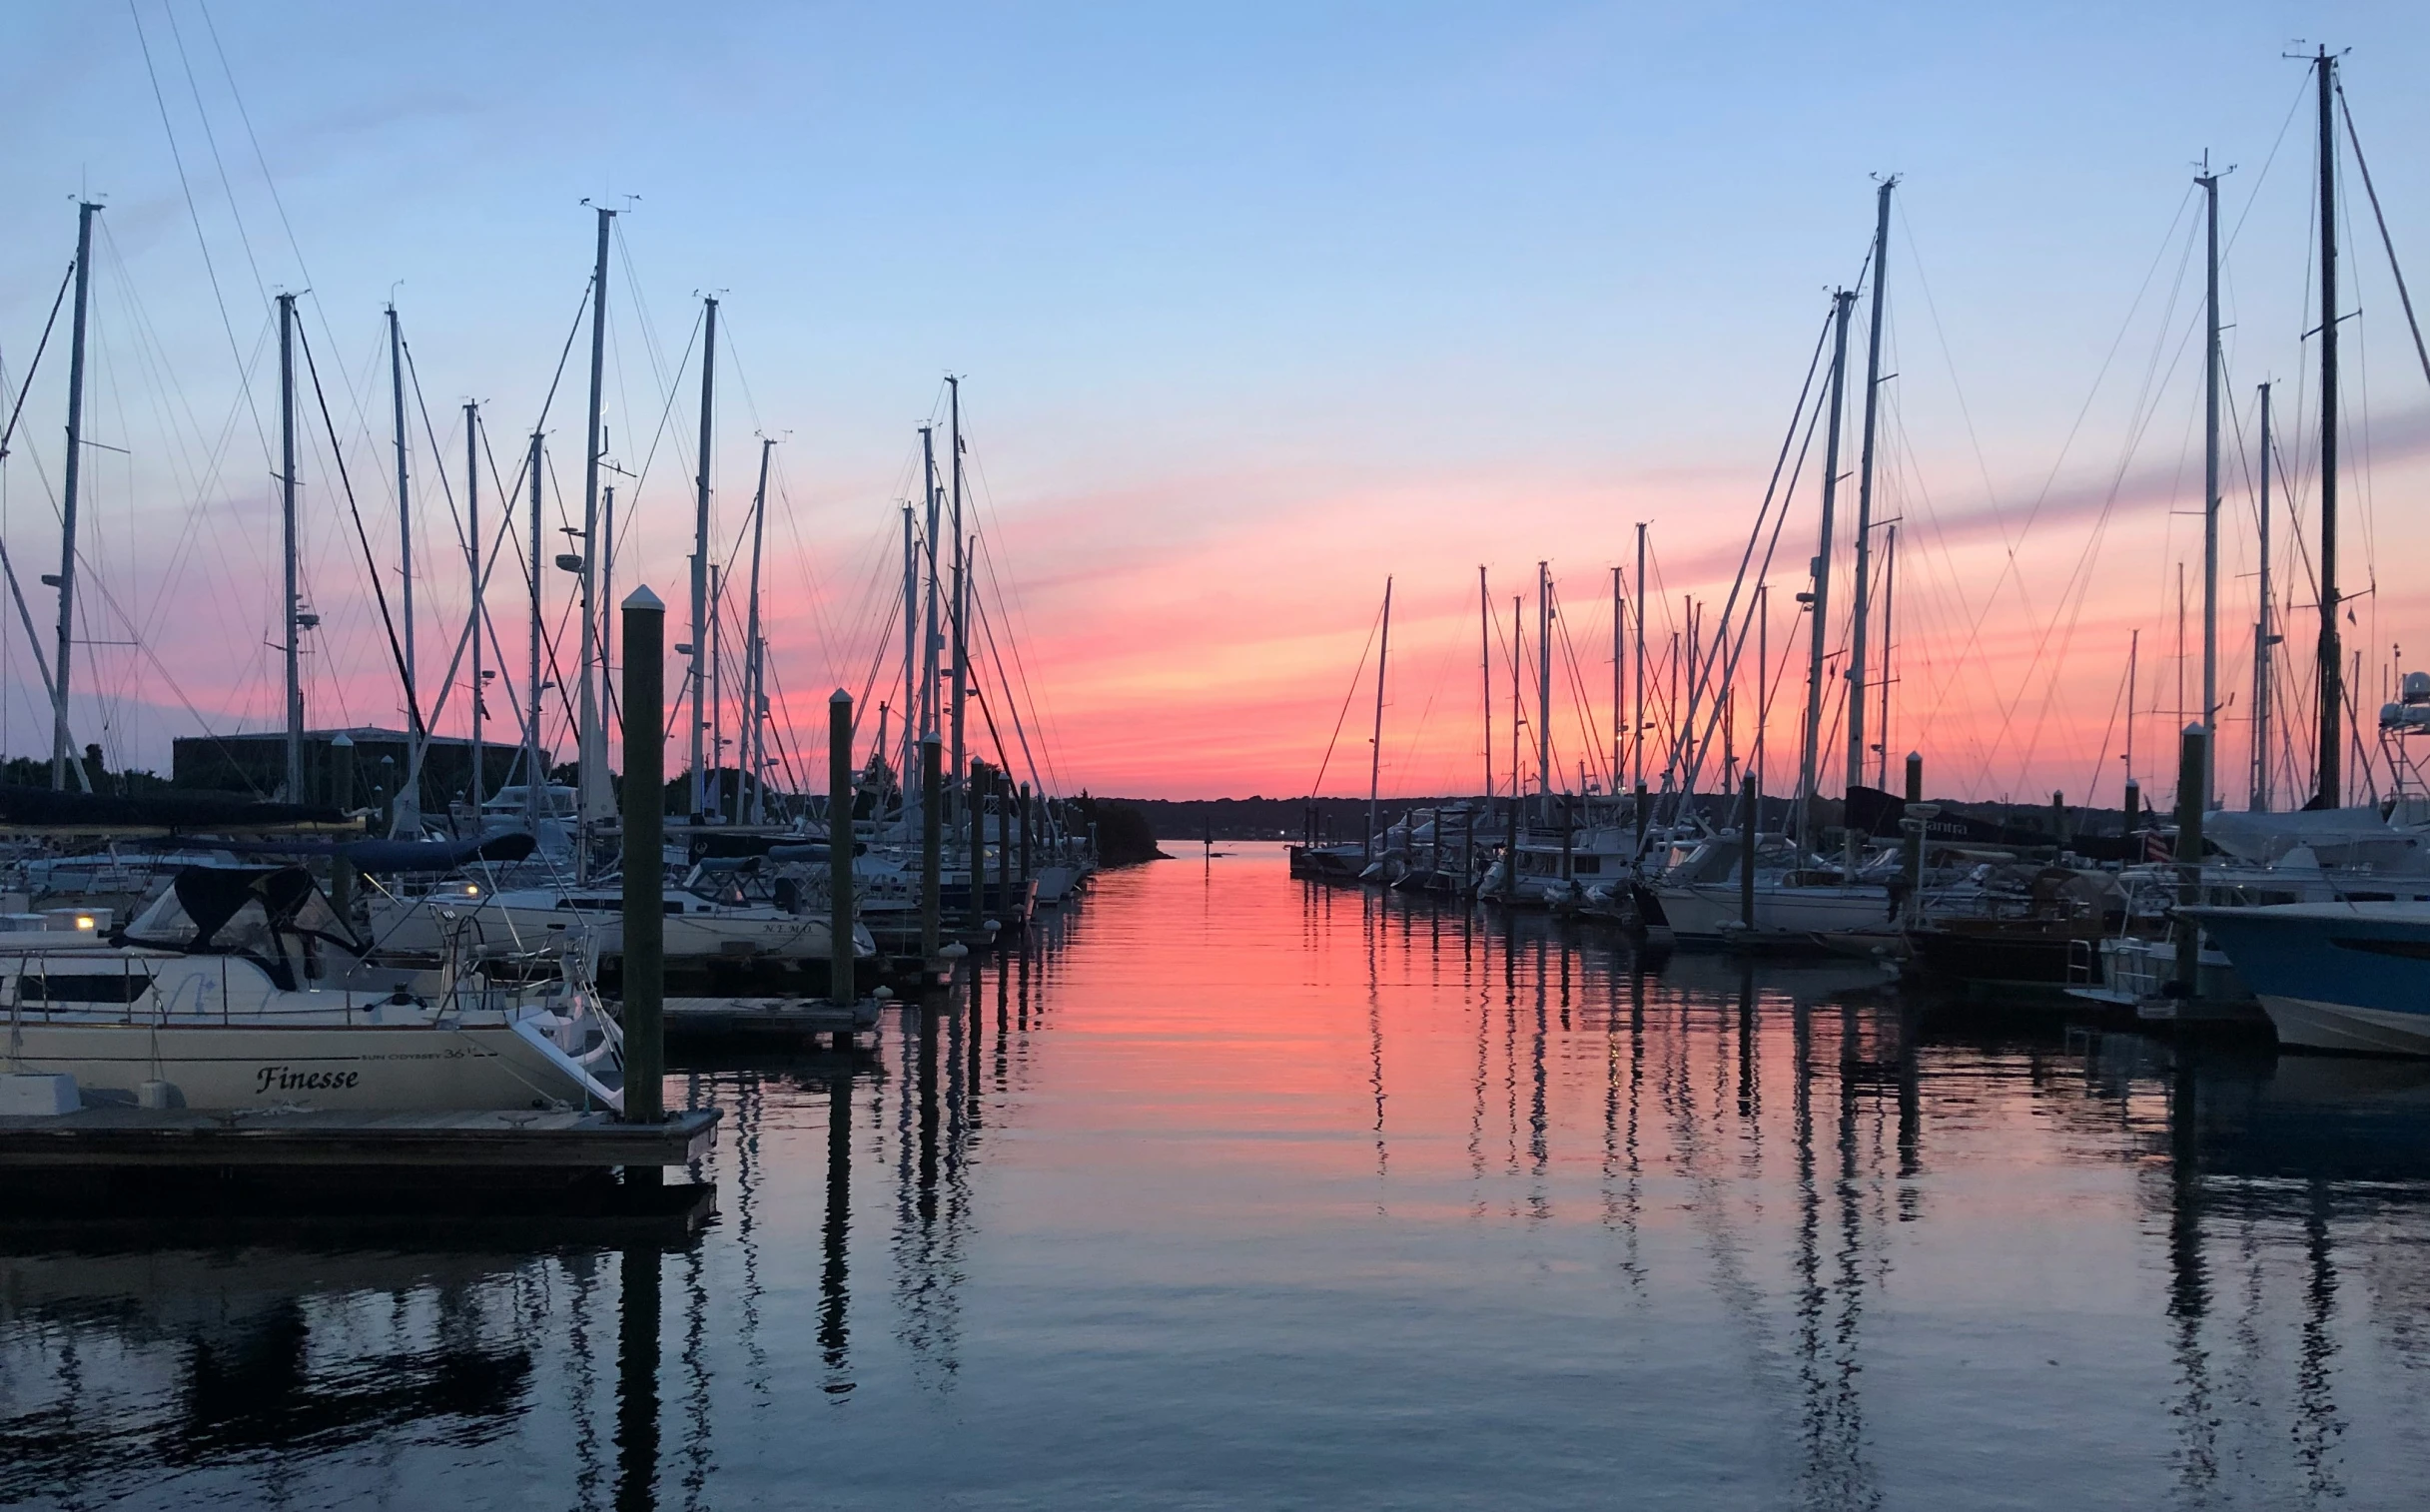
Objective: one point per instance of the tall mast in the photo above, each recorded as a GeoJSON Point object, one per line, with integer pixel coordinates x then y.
{"type": "Point", "coordinates": [929, 642]}
{"type": "Point", "coordinates": [1484, 651]}
{"type": "Point", "coordinates": [1636, 734]}
{"type": "Point", "coordinates": [2332, 659]}
{"type": "Point", "coordinates": [717, 692]}
{"type": "Point", "coordinates": [607, 618]}
{"type": "Point", "coordinates": [962, 572]}
{"type": "Point", "coordinates": [2211, 489]}
{"type": "Point", "coordinates": [1543, 687]}
{"type": "Point", "coordinates": [2262, 638]}
{"type": "Point", "coordinates": [911, 673]}
{"type": "Point", "coordinates": [286, 521]}
{"type": "Point", "coordinates": [1864, 474]}
{"type": "Point", "coordinates": [1384, 658]}
{"type": "Point", "coordinates": [2134, 652]}
{"type": "Point", "coordinates": [472, 534]}
{"type": "Point", "coordinates": [534, 778]}
{"type": "Point", "coordinates": [404, 512]}
{"type": "Point", "coordinates": [1763, 681]}
{"type": "Point", "coordinates": [1618, 623]}
{"type": "Point", "coordinates": [755, 773]}
{"type": "Point", "coordinates": [1890, 581]}
{"type": "Point", "coordinates": [594, 799]}
{"type": "Point", "coordinates": [1518, 669]}
{"type": "Point", "coordinates": [62, 747]}
{"type": "Point", "coordinates": [700, 553]}
{"type": "Point", "coordinates": [1818, 598]}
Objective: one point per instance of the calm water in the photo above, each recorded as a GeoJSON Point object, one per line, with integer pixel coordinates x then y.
{"type": "Point", "coordinates": [1238, 1193]}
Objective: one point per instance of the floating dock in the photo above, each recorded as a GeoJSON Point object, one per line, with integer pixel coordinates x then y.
{"type": "Point", "coordinates": [450, 1141]}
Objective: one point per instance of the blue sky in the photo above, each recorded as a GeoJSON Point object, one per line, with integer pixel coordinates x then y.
{"type": "Point", "coordinates": [1214, 272]}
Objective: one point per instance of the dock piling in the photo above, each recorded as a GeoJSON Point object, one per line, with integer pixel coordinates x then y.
{"type": "Point", "coordinates": [644, 873]}
{"type": "Point", "coordinates": [932, 839]}
{"type": "Point", "coordinates": [2192, 764]}
{"type": "Point", "coordinates": [840, 987]}
{"type": "Point", "coordinates": [1746, 856]}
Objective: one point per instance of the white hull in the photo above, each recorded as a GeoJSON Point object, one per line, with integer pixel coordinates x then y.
{"type": "Point", "coordinates": [2309, 1025]}
{"type": "Point", "coordinates": [1701, 913]}
{"type": "Point", "coordinates": [402, 1068]}
{"type": "Point", "coordinates": [688, 935]}
{"type": "Point", "coordinates": [1055, 882]}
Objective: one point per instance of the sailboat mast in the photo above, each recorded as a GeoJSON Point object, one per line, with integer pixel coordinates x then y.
{"type": "Point", "coordinates": [700, 554]}
{"type": "Point", "coordinates": [2134, 651]}
{"type": "Point", "coordinates": [2211, 490]}
{"type": "Point", "coordinates": [1544, 687]}
{"type": "Point", "coordinates": [929, 643]}
{"type": "Point", "coordinates": [608, 619]}
{"type": "Point", "coordinates": [1484, 652]}
{"type": "Point", "coordinates": [2332, 659]}
{"type": "Point", "coordinates": [1890, 582]}
{"type": "Point", "coordinates": [472, 534]}
{"type": "Point", "coordinates": [962, 569]}
{"type": "Point", "coordinates": [2262, 639]}
{"type": "Point", "coordinates": [534, 778]}
{"type": "Point", "coordinates": [1864, 477]}
{"type": "Point", "coordinates": [1818, 596]}
{"type": "Point", "coordinates": [1762, 679]}
{"type": "Point", "coordinates": [718, 693]}
{"type": "Point", "coordinates": [1383, 661]}
{"type": "Point", "coordinates": [1518, 672]}
{"type": "Point", "coordinates": [593, 798]}
{"type": "Point", "coordinates": [755, 793]}
{"type": "Point", "coordinates": [62, 747]}
{"type": "Point", "coordinates": [911, 675]}
{"type": "Point", "coordinates": [286, 523]}
{"type": "Point", "coordinates": [1618, 647]}
{"type": "Point", "coordinates": [404, 512]}
{"type": "Point", "coordinates": [1636, 734]}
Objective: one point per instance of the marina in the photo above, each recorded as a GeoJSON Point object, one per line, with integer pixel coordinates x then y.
{"type": "Point", "coordinates": [1061, 760]}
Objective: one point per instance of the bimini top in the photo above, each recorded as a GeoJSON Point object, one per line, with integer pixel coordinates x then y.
{"type": "Point", "coordinates": [268, 915]}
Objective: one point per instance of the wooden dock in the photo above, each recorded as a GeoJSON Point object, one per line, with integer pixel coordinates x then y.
{"type": "Point", "coordinates": [448, 1141]}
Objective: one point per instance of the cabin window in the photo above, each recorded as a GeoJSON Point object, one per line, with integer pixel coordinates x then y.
{"type": "Point", "coordinates": [1586, 865]}
{"type": "Point", "coordinates": [114, 986]}
{"type": "Point", "coordinates": [672, 908]}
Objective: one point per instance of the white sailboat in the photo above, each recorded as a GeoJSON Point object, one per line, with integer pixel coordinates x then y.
{"type": "Point", "coordinates": [240, 988]}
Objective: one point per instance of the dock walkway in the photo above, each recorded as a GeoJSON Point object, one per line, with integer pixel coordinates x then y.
{"type": "Point", "coordinates": [517, 1141]}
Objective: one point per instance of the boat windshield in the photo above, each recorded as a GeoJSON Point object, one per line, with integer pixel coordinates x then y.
{"type": "Point", "coordinates": [273, 915]}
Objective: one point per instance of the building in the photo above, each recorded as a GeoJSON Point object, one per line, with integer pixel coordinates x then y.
{"type": "Point", "coordinates": [382, 757]}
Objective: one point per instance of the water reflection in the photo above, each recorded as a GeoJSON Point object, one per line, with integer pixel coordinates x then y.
{"type": "Point", "coordinates": [1231, 1190]}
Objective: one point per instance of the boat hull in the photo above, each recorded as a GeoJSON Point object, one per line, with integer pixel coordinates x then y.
{"type": "Point", "coordinates": [404, 1069]}
{"type": "Point", "coordinates": [1711, 914]}
{"type": "Point", "coordinates": [2338, 976]}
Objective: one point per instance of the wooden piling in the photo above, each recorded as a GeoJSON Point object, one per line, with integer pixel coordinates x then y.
{"type": "Point", "coordinates": [645, 870]}
{"type": "Point", "coordinates": [932, 844]}
{"type": "Point", "coordinates": [2191, 758]}
{"type": "Point", "coordinates": [1746, 855]}
{"type": "Point", "coordinates": [973, 786]}
{"type": "Point", "coordinates": [1009, 911]}
{"type": "Point", "coordinates": [1026, 872]}
{"type": "Point", "coordinates": [341, 870]}
{"type": "Point", "coordinates": [840, 987]}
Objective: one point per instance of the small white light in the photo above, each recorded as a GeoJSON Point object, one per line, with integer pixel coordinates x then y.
{"type": "Point", "coordinates": [84, 921]}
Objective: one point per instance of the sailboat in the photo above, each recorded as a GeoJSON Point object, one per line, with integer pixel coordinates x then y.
{"type": "Point", "coordinates": [242, 988]}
